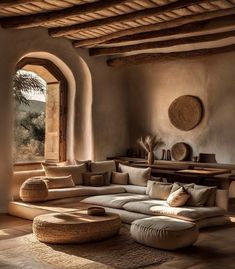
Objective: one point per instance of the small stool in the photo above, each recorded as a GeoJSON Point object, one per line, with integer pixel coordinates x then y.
{"type": "Point", "coordinates": [164, 232]}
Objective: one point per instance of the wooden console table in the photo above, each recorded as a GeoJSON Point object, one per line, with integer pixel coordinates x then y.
{"type": "Point", "coordinates": [200, 173]}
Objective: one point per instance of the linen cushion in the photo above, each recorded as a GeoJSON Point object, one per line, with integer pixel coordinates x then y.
{"type": "Point", "coordinates": [160, 207]}
{"type": "Point", "coordinates": [137, 176]}
{"type": "Point", "coordinates": [211, 194]}
{"type": "Point", "coordinates": [120, 178]}
{"type": "Point", "coordinates": [95, 179]}
{"type": "Point", "coordinates": [178, 198]}
{"type": "Point", "coordinates": [178, 185]}
{"type": "Point", "coordinates": [198, 197]}
{"type": "Point", "coordinates": [105, 166]}
{"type": "Point", "coordinates": [74, 170]}
{"type": "Point", "coordinates": [59, 182]}
{"type": "Point", "coordinates": [164, 232]}
{"type": "Point", "coordinates": [114, 200]}
{"type": "Point", "coordinates": [150, 183]}
{"type": "Point", "coordinates": [33, 190]}
{"type": "Point", "coordinates": [160, 190]}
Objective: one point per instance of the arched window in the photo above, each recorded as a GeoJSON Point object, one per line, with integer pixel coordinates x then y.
{"type": "Point", "coordinates": [41, 121]}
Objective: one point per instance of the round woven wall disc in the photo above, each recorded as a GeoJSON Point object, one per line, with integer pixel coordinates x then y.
{"type": "Point", "coordinates": [180, 151]}
{"type": "Point", "coordinates": [186, 112]}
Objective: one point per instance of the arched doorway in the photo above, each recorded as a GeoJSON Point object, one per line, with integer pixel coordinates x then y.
{"type": "Point", "coordinates": [55, 106]}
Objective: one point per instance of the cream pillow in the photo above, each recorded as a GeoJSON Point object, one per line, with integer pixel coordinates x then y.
{"type": "Point", "coordinates": [120, 178]}
{"type": "Point", "coordinates": [211, 194]}
{"type": "Point", "coordinates": [160, 190]}
{"type": "Point", "coordinates": [198, 197]}
{"type": "Point", "coordinates": [59, 182]}
{"type": "Point", "coordinates": [178, 185]}
{"type": "Point", "coordinates": [178, 198]}
{"type": "Point", "coordinates": [75, 171]}
{"type": "Point", "coordinates": [107, 166]}
{"type": "Point", "coordinates": [137, 176]}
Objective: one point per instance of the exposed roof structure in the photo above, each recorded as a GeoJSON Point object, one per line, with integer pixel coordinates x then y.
{"type": "Point", "coordinates": [136, 30]}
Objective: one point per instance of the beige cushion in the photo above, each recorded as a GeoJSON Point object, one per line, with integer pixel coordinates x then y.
{"type": "Point", "coordinates": [33, 190]}
{"type": "Point", "coordinates": [178, 185]}
{"type": "Point", "coordinates": [96, 179]}
{"type": "Point", "coordinates": [59, 182]}
{"type": "Point", "coordinates": [211, 194]}
{"type": "Point", "coordinates": [178, 198]}
{"type": "Point", "coordinates": [80, 191]}
{"type": "Point", "coordinates": [105, 166]}
{"type": "Point", "coordinates": [114, 200]}
{"type": "Point", "coordinates": [75, 171]}
{"type": "Point", "coordinates": [160, 190]}
{"type": "Point", "coordinates": [120, 178]}
{"type": "Point", "coordinates": [133, 188]}
{"type": "Point", "coordinates": [160, 207]}
{"type": "Point", "coordinates": [137, 176]}
{"type": "Point", "coordinates": [164, 232]}
{"type": "Point", "coordinates": [198, 197]}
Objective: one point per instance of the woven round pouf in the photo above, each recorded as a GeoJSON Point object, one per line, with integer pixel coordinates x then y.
{"type": "Point", "coordinates": [33, 190]}
{"type": "Point", "coordinates": [75, 227]}
{"type": "Point", "coordinates": [164, 232]}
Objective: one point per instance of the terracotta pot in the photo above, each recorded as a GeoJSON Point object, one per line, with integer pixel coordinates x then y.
{"type": "Point", "coordinates": [150, 157]}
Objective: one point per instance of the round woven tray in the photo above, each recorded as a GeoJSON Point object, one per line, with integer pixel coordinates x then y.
{"type": "Point", "coordinates": [186, 112]}
{"type": "Point", "coordinates": [180, 151]}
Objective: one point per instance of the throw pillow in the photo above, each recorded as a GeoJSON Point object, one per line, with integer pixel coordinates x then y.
{"type": "Point", "coordinates": [150, 183]}
{"type": "Point", "coordinates": [178, 185]}
{"type": "Point", "coordinates": [107, 166]}
{"type": "Point", "coordinates": [59, 182]}
{"type": "Point", "coordinates": [137, 176]}
{"type": "Point", "coordinates": [75, 171]}
{"type": "Point", "coordinates": [103, 177]}
{"type": "Point", "coordinates": [87, 162]}
{"type": "Point", "coordinates": [198, 197]}
{"type": "Point", "coordinates": [178, 198]}
{"type": "Point", "coordinates": [120, 178]}
{"type": "Point", "coordinates": [211, 194]}
{"type": "Point", "coordinates": [160, 190]}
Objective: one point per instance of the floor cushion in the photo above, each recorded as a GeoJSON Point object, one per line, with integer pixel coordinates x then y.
{"type": "Point", "coordinates": [114, 200]}
{"type": "Point", "coordinates": [82, 191]}
{"type": "Point", "coordinates": [160, 207]}
{"type": "Point", "coordinates": [164, 232]}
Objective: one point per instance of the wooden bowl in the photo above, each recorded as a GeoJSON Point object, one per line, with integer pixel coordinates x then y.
{"type": "Point", "coordinates": [96, 211]}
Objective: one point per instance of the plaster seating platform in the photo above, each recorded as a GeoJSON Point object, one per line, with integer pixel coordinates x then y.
{"type": "Point", "coordinates": [164, 232]}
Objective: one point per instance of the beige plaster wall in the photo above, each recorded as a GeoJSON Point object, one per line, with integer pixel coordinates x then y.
{"type": "Point", "coordinates": [95, 99]}
{"type": "Point", "coordinates": [152, 88]}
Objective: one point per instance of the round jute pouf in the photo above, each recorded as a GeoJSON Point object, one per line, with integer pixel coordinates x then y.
{"type": "Point", "coordinates": [164, 232]}
{"type": "Point", "coordinates": [75, 227]}
{"type": "Point", "coordinates": [33, 190]}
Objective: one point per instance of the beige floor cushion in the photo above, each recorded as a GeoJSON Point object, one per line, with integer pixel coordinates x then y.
{"type": "Point", "coordinates": [114, 200]}
{"type": "Point", "coordinates": [83, 191]}
{"type": "Point", "coordinates": [160, 207]}
{"type": "Point", "coordinates": [164, 232]}
{"type": "Point", "coordinates": [133, 188]}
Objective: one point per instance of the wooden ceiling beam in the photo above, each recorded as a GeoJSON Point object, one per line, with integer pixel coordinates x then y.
{"type": "Point", "coordinates": [162, 44]}
{"type": "Point", "coordinates": [71, 29]}
{"type": "Point", "coordinates": [153, 27]}
{"type": "Point", "coordinates": [200, 26]}
{"type": "Point", "coordinates": [33, 20]}
{"type": "Point", "coordinates": [13, 3]}
{"type": "Point", "coordinates": [145, 58]}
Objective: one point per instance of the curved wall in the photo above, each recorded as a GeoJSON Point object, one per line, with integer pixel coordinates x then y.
{"type": "Point", "coordinates": [93, 124]}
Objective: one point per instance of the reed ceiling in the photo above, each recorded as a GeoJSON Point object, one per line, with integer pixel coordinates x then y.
{"type": "Point", "coordinates": [130, 32]}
